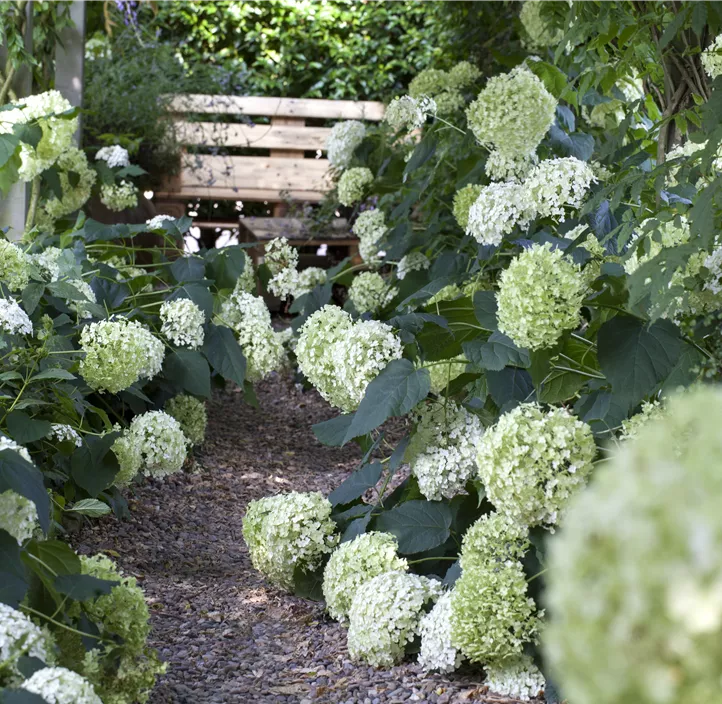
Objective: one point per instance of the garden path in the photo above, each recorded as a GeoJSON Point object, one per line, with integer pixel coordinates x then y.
{"type": "Point", "coordinates": [226, 635]}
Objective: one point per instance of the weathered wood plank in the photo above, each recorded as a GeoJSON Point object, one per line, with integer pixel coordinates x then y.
{"type": "Point", "coordinates": [226, 134]}
{"type": "Point", "coordinates": [295, 229]}
{"type": "Point", "coordinates": [230, 193]}
{"type": "Point", "coordinates": [278, 107]}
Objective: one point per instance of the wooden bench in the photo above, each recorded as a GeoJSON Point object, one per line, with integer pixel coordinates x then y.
{"type": "Point", "coordinates": [291, 167]}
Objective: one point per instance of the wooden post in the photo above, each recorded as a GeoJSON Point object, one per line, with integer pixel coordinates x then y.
{"type": "Point", "coordinates": [13, 208]}
{"type": "Point", "coordinates": [281, 209]}
{"type": "Point", "coordinates": [70, 61]}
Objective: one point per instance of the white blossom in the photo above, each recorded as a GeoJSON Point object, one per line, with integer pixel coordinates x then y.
{"type": "Point", "coordinates": [437, 651]}
{"type": "Point", "coordinates": [114, 156]}
{"type": "Point", "coordinates": [19, 637]}
{"type": "Point", "coordinates": [498, 209]}
{"type": "Point", "coordinates": [519, 678]}
{"type": "Point", "coordinates": [183, 323]}
{"type": "Point", "coordinates": [119, 196]}
{"type": "Point", "coordinates": [161, 442]}
{"type": "Point", "coordinates": [156, 222]}
{"type": "Point", "coordinates": [63, 432]}
{"type": "Point", "coordinates": [57, 685]}
{"type": "Point", "coordinates": [342, 142]}
{"type": "Point", "coordinates": [414, 261]}
{"type": "Point", "coordinates": [13, 319]}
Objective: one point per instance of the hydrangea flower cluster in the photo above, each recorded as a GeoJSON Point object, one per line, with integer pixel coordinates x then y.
{"type": "Point", "coordinates": [369, 292]}
{"type": "Point", "coordinates": [497, 210]}
{"type": "Point", "coordinates": [249, 318]}
{"type": "Point", "coordinates": [414, 261]}
{"type": "Point", "coordinates": [711, 58]}
{"type": "Point", "coordinates": [520, 678]}
{"type": "Point", "coordinates": [437, 650]}
{"type": "Point", "coordinates": [161, 442]}
{"type": "Point", "coordinates": [407, 113]}
{"type": "Point", "coordinates": [279, 255]}
{"type": "Point", "coordinates": [75, 196]}
{"type": "Point", "coordinates": [355, 563]}
{"type": "Point", "coordinates": [247, 280]}
{"type": "Point", "coordinates": [156, 222]}
{"type": "Point", "coordinates": [44, 110]}
{"type": "Point", "coordinates": [191, 413]}
{"type": "Point", "coordinates": [49, 262]}
{"type": "Point", "coordinates": [500, 166]}
{"type": "Point", "coordinates": [119, 196]}
{"type": "Point", "coordinates": [369, 227]}
{"type": "Point", "coordinates": [385, 616]}
{"type": "Point", "coordinates": [539, 33]}
{"type": "Point", "coordinates": [13, 319]}
{"type": "Point", "coordinates": [442, 452]}
{"type": "Point", "coordinates": [18, 515]}
{"type": "Point", "coordinates": [445, 87]}
{"type": "Point", "coordinates": [13, 266]}
{"type": "Point", "coordinates": [512, 114]}
{"type": "Point", "coordinates": [114, 156]}
{"type": "Point", "coordinates": [183, 323]}
{"type": "Point", "coordinates": [609, 114]}
{"type": "Point", "coordinates": [532, 462]}
{"type": "Point", "coordinates": [556, 184]}
{"type": "Point", "coordinates": [342, 142]}
{"type": "Point", "coordinates": [19, 637]}
{"type": "Point", "coordinates": [540, 296]}
{"type": "Point", "coordinates": [308, 279]}
{"type": "Point", "coordinates": [127, 451]}
{"type": "Point", "coordinates": [118, 353]}
{"type": "Point", "coordinates": [288, 531]}
{"type": "Point", "coordinates": [635, 578]}
{"type": "Point", "coordinates": [713, 263]}
{"type": "Point", "coordinates": [463, 200]}
{"type": "Point", "coordinates": [65, 433]}
{"type": "Point", "coordinates": [341, 358]}
{"type": "Point", "coordinates": [664, 234]}
{"type": "Point", "coordinates": [492, 617]}
{"type": "Point", "coordinates": [651, 412]}
{"type": "Point", "coordinates": [353, 185]}
{"type": "Point", "coordinates": [58, 685]}
{"type": "Point", "coordinates": [444, 371]}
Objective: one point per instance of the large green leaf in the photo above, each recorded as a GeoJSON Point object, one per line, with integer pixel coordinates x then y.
{"type": "Point", "coordinates": [196, 292]}
{"type": "Point", "coordinates": [394, 392]}
{"type": "Point", "coordinates": [24, 429]}
{"type": "Point", "coordinates": [24, 478]}
{"type": "Point", "coordinates": [417, 525]}
{"type": "Point", "coordinates": [189, 370]}
{"type": "Point", "coordinates": [308, 585]}
{"type": "Point", "coordinates": [82, 587]}
{"type": "Point", "coordinates": [497, 352]}
{"type": "Point", "coordinates": [355, 485]}
{"type": "Point", "coordinates": [485, 309]}
{"type": "Point", "coordinates": [225, 266]}
{"type": "Point", "coordinates": [8, 144]}
{"type": "Point", "coordinates": [94, 465]}
{"type": "Point", "coordinates": [188, 269]}
{"type": "Point", "coordinates": [53, 558]}
{"type": "Point", "coordinates": [224, 353]}
{"type": "Point", "coordinates": [13, 578]}
{"type": "Point", "coordinates": [510, 386]}
{"type": "Point", "coordinates": [636, 357]}
{"type": "Point", "coordinates": [333, 432]}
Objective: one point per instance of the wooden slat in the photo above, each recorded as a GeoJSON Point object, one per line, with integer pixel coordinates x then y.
{"type": "Point", "coordinates": [294, 229]}
{"type": "Point", "coordinates": [278, 107]}
{"type": "Point", "coordinates": [250, 194]}
{"type": "Point", "coordinates": [226, 134]}
{"type": "Point", "coordinates": [251, 172]}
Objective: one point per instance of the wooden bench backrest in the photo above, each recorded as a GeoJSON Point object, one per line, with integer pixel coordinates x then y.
{"type": "Point", "coordinates": [260, 178]}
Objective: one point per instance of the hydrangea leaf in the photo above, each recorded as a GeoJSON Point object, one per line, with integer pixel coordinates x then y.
{"type": "Point", "coordinates": [417, 525]}
{"type": "Point", "coordinates": [82, 587]}
{"type": "Point", "coordinates": [308, 584]}
{"type": "Point", "coordinates": [496, 353]}
{"type": "Point", "coordinates": [355, 485]}
{"type": "Point", "coordinates": [89, 507]}
{"type": "Point", "coordinates": [198, 293]}
{"type": "Point", "coordinates": [509, 386]}
{"type": "Point", "coordinates": [485, 309]}
{"type": "Point", "coordinates": [25, 478]}
{"type": "Point", "coordinates": [13, 581]}
{"type": "Point", "coordinates": [189, 370]}
{"type": "Point", "coordinates": [224, 354]}
{"type": "Point", "coordinates": [188, 269]}
{"type": "Point", "coordinates": [333, 432]}
{"type": "Point", "coordinates": [24, 429]}
{"type": "Point", "coordinates": [94, 465]}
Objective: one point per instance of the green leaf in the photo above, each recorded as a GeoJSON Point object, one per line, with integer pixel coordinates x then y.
{"type": "Point", "coordinates": [510, 386]}
{"type": "Point", "coordinates": [225, 266]}
{"type": "Point", "coordinates": [561, 386]}
{"type": "Point", "coordinates": [89, 507]}
{"type": "Point", "coordinates": [635, 357]}
{"type": "Point", "coordinates": [333, 432]}
{"type": "Point", "coordinates": [424, 150]}
{"type": "Point", "coordinates": [13, 578]}
{"type": "Point", "coordinates": [496, 353]}
{"type": "Point", "coordinates": [56, 374]}
{"type": "Point", "coordinates": [555, 80]}
{"type": "Point", "coordinates": [8, 145]}
{"type": "Point", "coordinates": [224, 354]}
{"type": "Point", "coordinates": [685, 371]}
{"type": "Point", "coordinates": [394, 392]}
{"type": "Point", "coordinates": [9, 173]}
{"type": "Point", "coordinates": [188, 269]}
{"type": "Point", "coordinates": [24, 429]}
{"type": "Point", "coordinates": [189, 370]}
{"type": "Point", "coordinates": [417, 525]}
{"type": "Point", "coordinates": [20, 696]}
{"type": "Point", "coordinates": [82, 587]}
{"type": "Point", "coordinates": [57, 557]}
{"type": "Point", "coordinates": [198, 293]}
{"type": "Point", "coordinates": [356, 484]}
{"type": "Point", "coordinates": [32, 294]}
{"type": "Point", "coordinates": [94, 465]}
{"type": "Point", "coordinates": [485, 309]}
{"type": "Point", "coordinates": [29, 132]}
{"type": "Point", "coordinates": [25, 478]}
{"type": "Point", "coordinates": [308, 585]}
{"type": "Point", "coordinates": [601, 410]}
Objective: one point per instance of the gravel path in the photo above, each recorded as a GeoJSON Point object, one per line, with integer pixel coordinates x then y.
{"type": "Point", "coordinates": [227, 635]}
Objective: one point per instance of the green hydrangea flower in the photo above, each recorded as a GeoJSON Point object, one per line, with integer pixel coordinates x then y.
{"type": "Point", "coordinates": [190, 412]}
{"type": "Point", "coordinates": [354, 184]}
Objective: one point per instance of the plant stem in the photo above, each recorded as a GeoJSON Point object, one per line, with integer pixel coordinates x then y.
{"type": "Point", "coordinates": [57, 623]}
{"type": "Point", "coordinates": [34, 198]}
{"type": "Point", "coordinates": [426, 559]}
{"type": "Point", "coordinates": [6, 85]}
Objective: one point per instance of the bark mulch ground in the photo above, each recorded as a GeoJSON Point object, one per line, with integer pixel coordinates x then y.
{"type": "Point", "coordinates": [226, 635]}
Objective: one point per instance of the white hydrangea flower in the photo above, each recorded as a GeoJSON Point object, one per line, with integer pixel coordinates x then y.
{"type": "Point", "coordinates": [84, 289]}
{"type": "Point", "coordinates": [287, 531]}
{"type": "Point", "coordinates": [48, 261]}
{"type": "Point", "coordinates": [556, 184]}
{"type": "Point", "coordinates": [280, 255]}
{"type": "Point", "coordinates": [369, 292]}
{"type": "Point", "coordinates": [539, 34]}
{"type": "Point", "coordinates": [156, 222]}
{"type": "Point", "coordinates": [711, 58]}
{"type": "Point", "coordinates": [342, 142]}
{"type": "Point", "coordinates": [118, 353]}
{"type": "Point", "coordinates": [464, 198]}
{"type": "Point", "coordinates": [13, 319]}
{"type": "Point", "coordinates": [512, 113]}
{"type": "Point", "coordinates": [308, 279]}
{"type": "Point", "coordinates": [19, 637]}
{"type": "Point", "coordinates": [497, 210]}
{"type": "Point", "coordinates": [437, 651]}
{"type": "Point", "coordinates": [57, 132]}
{"type": "Point", "coordinates": [247, 280]}
{"type": "Point", "coordinates": [407, 113]}
{"type": "Point", "coordinates": [161, 441]}
{"type": "Point", "coordinates": [354, 563]}
{"type": "Point", "coordinates": [666, 234]}
{"type": "Point", "coordinates": [500, 166]}
{"type": "Point", "coordinates": [369, 227]}
{"type": "Point", "coordinates": [540, 296]}
{"type": "Point", "coordinates": [385, 616]}
{"type": "Point", "coordinates": [248, 317]}
{"type": "Point", "coordinates": [651, 412]}
{"type": "Point", "coordinates": [57, 685]}
{"type": "Point", "coordinates": [532, 462]}
{"type": "Point", "coordinates": [518, 679]}
{"type": "Point", "coordinates": [183, 323]}
{"type": "Point", "coordinates": [191, 413]}
{"type": "Point", "coordinates": [284, 283]}
{"type": "Point", "coordinates": [62, 432]}
{"type": "Point", "coordinates": [442, 452]}
{"type": "Point", "coordinates": [75, 196]}
{"type": "Point", "coordinates": [353, 185]}
{"type": "Point", "coordinates": [19, 517]}
{"type": "Point", "coordinates": [114, 156]}
{"type": "Point", "coordinates": [414, 261]}
{"type": "Point", "coordinates": [713, 263]}
{"type": "Point", "coordinates": [635, 574]}
{"type": "Point", "coordinates": [495, 538]}
{"type": "Point", "coordinates": [444, 371]}
{"type": "Point", "coordinates": [341, 358]}
{"type": "Point", "coordinates": [14, 264]}
{"type": "Point", "coordinates": [128, 451]}
{"type": "Point", "coordinates": [119, 196]}
{"type": "Point", "coordinates": [8, 444]}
